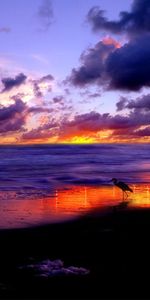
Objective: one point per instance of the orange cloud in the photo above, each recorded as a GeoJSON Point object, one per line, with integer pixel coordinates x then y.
{"type": "Point", "coordinates": [110, 41]}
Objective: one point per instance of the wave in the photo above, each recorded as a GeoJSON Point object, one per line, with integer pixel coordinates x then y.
{"type": "Point", "coordinates": [47, 167]}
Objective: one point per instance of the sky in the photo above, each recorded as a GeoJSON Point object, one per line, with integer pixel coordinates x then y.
{"type": "Point", "coordinates": [74, 71]}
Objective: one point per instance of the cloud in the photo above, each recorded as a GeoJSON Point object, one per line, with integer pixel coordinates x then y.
{"type": "Point", "coordinates": [128, 68]}
{"type": "Point", "coordinates": [94, 95]}
{"type": "Point", "coordinates": [45, 14]}
{"type": "Point", "coordinates": [10, 83]}
{"type": "Point", "coordinates": [121, 104]}
{"type": "Point", "coordinates": [135, 22]}
{"type": "Point", "coordinates": [58, 99]}
{"type": "Point", "coordinates": [142, 103]}
{"type": "Point", "coordinates": [43, 83]}
{"type": "Point", "coordinates": [46, 78]}
{"type": "Point", "coordinates": [37, 91]}
{"type": "Point", "coordinates": [13, 117]}
{"type": "Point", "coordinates": [115, 68]}
{"type": "Point", "coordinates": [139, 104]}
{"type": "Point", "coordinates": [46, 131]}
{"type": "Point", "coordinates": [143, 132]}
{"type": "Point", "coordinates": [38, 109]}
{"type": "Point", "coordinates": [93, 122]}
{"type": "Point", "coordinates": [93, 64]}
{"type": "Point", "coordinates": [91, 126]}
{"type": "Point", "coordinates": [5, 29]}
{"type": "Point", "coordinates": [35, 134]}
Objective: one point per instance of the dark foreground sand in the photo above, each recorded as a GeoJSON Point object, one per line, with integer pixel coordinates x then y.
{"type": "Point", "coordinates": [113, 245]}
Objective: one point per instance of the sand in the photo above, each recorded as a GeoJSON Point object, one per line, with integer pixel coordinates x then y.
{"type": "Point", "coordinates": [113, 245]}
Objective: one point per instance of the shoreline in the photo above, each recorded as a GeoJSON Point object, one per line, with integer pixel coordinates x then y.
{"type": "Point", "coordinates": [113, 245]}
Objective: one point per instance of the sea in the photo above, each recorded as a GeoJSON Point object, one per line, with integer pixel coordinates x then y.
{"type": "Point", "coordinates": [52, 183]}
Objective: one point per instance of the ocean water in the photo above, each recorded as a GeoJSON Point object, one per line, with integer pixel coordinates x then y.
{"type": "Point", "coordinates": [31, 173]}
{"type": "Point", "coordinates": [46, 167]}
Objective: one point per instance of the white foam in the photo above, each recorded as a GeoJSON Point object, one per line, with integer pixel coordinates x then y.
{"type": "Point", "coordinates": [48, 268]}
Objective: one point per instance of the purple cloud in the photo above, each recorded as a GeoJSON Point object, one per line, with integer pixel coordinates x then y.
{"type": "Point", "coordinates": [121, 104]}
{"type": "Point", "coordinates": [143, 132]}
{"type": "Point", "coordinates": [45, 131]}
{"type": "Point", "coordinates": [36, 88]}
{"type": "Point", "coordinates": [46, 78]}
{"type": "Point", "coordinates": [128, 68]}
{"type": "Point", "coordinates": [141, 103]}
{"type": "Point", "coordinates": [13, 117]}
{"type": "Point", "coordinates": [94, 95]}
{"type": "Point", "coordinates": [93, 65]}
{"type": "Point", "coordinates": [94, 122]}
{"type": "Point", "coordinates": [58, 99]}
{"type": "Point", "coordinates": [38, 109]}
{"type": "Point", "coordinates": [10, 83]}
{"type": "Point", "coordinates": [5, 29]}
{"type": "Point", "coordinates": [135, 22]}
{"type": "Point", "coordinates": [45, 14]}
{"type": "Point", "coordinates": [122, 68]}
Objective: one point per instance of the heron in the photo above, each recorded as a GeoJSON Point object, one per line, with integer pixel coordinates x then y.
{"type": "Point", "coordinates": [122, 185]}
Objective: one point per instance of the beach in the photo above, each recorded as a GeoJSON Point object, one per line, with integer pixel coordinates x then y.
{"type": "Point", "coordinates": [65, 230]}
{"type": "Point", "coordinates": [113, 245]}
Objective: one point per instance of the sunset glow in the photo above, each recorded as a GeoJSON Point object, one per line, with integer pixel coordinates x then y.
{"type": "Point", "coordinates": [93, 90]}
{"type": "Point", "coordinates": [66, 204]}
{"type": "Point", "coordinates": [74, 149]}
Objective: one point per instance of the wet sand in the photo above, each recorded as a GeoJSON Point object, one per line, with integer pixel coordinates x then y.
{"type": "Point", "coordinates": [113, 245]}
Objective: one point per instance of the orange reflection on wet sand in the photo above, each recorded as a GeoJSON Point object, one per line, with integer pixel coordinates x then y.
{"type": "Point", "coordinates": [65, 204]}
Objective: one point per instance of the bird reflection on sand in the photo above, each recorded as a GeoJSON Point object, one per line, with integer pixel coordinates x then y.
{"type": "Point", "coordinates": [123, 205]}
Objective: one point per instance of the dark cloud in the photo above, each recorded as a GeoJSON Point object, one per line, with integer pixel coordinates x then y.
{"type": "Point", "coordinates": [17, 96]}
{"type": "Point", "coordinates": [135, 22]}
{"type": "Point", "coordinates": [111, 65]}
{"type": "Point", "coordinates": [45, 14]}
{"type": "Point", "coordinates": [45, 131]}
{"type": "Point", "coordinates": [94, 95]}
{"type": "Point", "coordinates": [132, 133]}
{"type": "Point", "coordinates": [58, 99]}
{"type": "Point", "coordinates": [93, 64]}
{"type": "Point", "coordinates": [46, 78]}
{"type": "Point", "coordinates": [5, 29]}
{"type": "Point", "coordinates": [121, 104]}
{"type": "Point", "coordinates": [143, 132]}
{"type": "Point", "coordinates": [128, 68]}
{"type": "Point", "coordinates": [10, 83]}
{"type": "Point", "coordinates": [94, 122]}
{"type": "Point", "coordinates": [141, 103]}
{"type": "Point", "coordinates": [67, 91]}
{"type": "Point", "coordinates": [38, 109]}
{"type": "Point", "coordinates": [13, 117]}
{"type": "Point", "coordinates": [10, 111]}
{"type": "Point", "coordinates": [36, 88]}
{"type": "Point", "coordinates": [117, 68]}
{"type": "Point", "coordinates": [35, 134]}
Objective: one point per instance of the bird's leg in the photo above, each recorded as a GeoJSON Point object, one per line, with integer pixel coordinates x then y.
{"type": "Point", "coordinates": [126, 194]}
